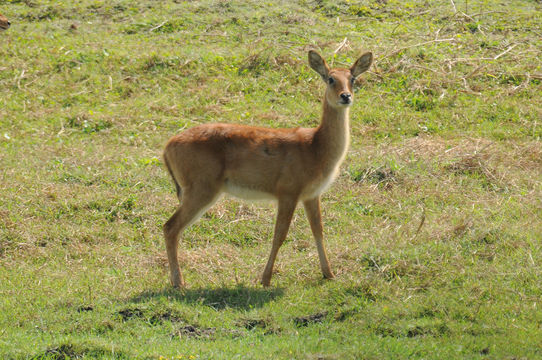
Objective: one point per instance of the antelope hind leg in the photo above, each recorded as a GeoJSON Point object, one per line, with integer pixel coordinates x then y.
{"type": "Point", "coordinates": [194, 204]}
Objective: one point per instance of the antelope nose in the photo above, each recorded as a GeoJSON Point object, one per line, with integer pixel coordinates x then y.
{"type": "Point", "coordinates": [346, 97]}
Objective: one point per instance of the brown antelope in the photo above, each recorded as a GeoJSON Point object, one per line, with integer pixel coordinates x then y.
{"type": "Point", "coordinates": [4, 22]}
{"type": "Point", "coordinates": [288, 165]}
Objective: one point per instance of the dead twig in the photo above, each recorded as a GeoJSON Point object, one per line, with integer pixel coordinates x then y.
{"type": "Point", "coordinates": [453, 4]}
{"type": "Point", "coordinates": [158, 26]}
{"type": "Point", "coordinates": [505, 51]}
{"type": "Point", "coordinates": [521, 86]}
{"type": "Point", "coordinates": [341, 45]}
{"type": "Point", "coordinates": [468, 89]}
{"type": "Point", "coordinates": [422, 221]}
{"type": "Point", "coordinates": [475, 71]}
{"type": "Point", "coordinates": [19, 79]}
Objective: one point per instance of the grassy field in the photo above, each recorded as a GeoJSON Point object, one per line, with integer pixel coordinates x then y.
{"type": "Point", "coordinates": [433, 227]}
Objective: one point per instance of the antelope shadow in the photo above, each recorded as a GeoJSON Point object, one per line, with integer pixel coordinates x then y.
{"type": "Point", "coordinates": [237, 297]}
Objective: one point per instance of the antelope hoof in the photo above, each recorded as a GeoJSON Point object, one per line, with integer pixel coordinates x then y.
{"type": "Point", "coordinates": [178, 282]}
{"type": "Point", "coordinates": [179, 286]}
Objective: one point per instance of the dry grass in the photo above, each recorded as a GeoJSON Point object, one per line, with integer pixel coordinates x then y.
{"type": "Point", "coordinates": [433, 225]}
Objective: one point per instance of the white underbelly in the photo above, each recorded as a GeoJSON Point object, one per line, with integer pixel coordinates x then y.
{"type": "Point", "coordinates": [312, 190]}
{"type": "Point", "coordinates": [246, 193]}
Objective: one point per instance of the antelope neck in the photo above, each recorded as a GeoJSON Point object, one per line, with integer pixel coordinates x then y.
{"type": "Point", "coordinates": [333, 135]}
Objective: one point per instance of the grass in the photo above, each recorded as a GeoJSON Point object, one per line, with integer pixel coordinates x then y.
{"type": "Point", "coordinates": [433, 227]}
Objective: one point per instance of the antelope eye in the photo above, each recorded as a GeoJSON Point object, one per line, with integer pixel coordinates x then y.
{"type": "Point", "coordinates": [352, 80]}
{"type": "Point", "coordinates": [331, 81]}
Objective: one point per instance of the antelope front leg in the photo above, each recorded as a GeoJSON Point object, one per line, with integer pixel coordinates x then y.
{"type": "Point", "coordinates": [312, 208]}
{"type": "Point", "coordinates": [284, 217]}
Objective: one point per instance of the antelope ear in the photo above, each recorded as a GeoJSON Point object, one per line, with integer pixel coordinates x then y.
{"type": "Point", "coordinates": [318, 64]}
{"type": "Point", "coordinates": [362, 64]}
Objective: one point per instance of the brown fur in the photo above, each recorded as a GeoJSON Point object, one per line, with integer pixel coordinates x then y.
{"type": "Point", "coordinates": [288, 165]}
{"type": "Point", "coordinates": [4, 23]}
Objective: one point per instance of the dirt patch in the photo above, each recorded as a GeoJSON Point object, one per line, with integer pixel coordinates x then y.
{"type": "Point", "coordinates": [72, 351]}
{"type": "Point", "coordinates": [420, 330]}
{"type": "Point", "coordinates": [157, 318]}
{"type": "Point", "coordinates": [164, 316]}
{"type": "Point", "coordinates": [64, 351]}
{"type": "Point", "coordinates": [251, 324]}
{"type": "Point", "coordinates": [266, 325]}
{"type": "Point", "coordinates": [432, 330]}
{"type": "Point", "coordinates": [85, 308]}
{"type": "Point", "coordinates": [130, 313]}
{"type": "Point", "coordinates": [310, 319]}
{"type": "Point", "coordinates": [192, 331]}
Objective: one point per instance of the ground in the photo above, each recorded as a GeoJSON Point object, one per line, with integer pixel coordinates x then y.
{"type": "Point", "coordinates": [433, 227]}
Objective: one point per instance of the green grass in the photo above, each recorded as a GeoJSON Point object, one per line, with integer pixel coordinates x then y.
{"type": "Point", "coordinates": [433, 227]}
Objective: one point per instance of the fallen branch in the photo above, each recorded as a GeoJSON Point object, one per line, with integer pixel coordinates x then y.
{"type": "Point", "coordinates": [416, 45]}
{"type": "Point", "coordinates": [496, 57]}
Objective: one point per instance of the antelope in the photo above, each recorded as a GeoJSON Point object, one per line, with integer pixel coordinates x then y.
{"type": "Point", "coordinates": [4, 23]}
{"type": "Point", "coordinates": [288, 165]}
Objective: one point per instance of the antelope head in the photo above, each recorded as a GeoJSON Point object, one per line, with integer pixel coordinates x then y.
{"type": "Point", "coordinates": [4, 23]}
{"type": "Point", "coordinates": [339, 81]}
